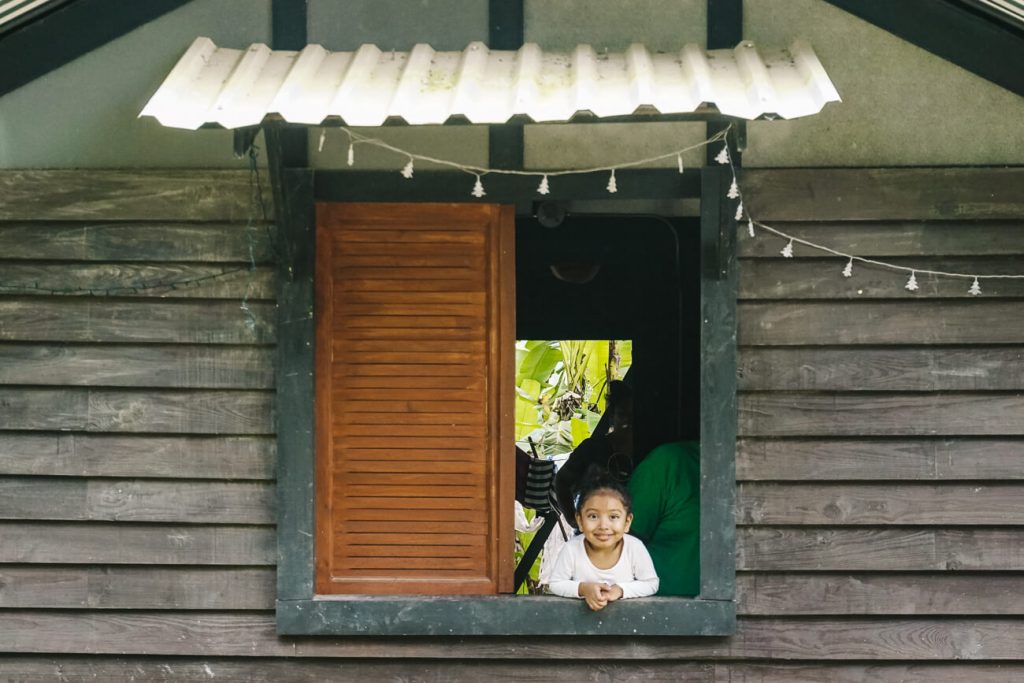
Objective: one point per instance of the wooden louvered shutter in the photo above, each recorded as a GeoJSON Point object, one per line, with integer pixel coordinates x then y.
{"type": "Point", "coordinates": [414, 387]}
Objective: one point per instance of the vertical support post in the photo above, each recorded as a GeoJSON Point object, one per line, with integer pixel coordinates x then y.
{"type": "Point", "coordinates": [296, 222]}
{"type": "Point", "coordinates": [288, 31]}
{"type": "Point", "coordinates": [718, 387]}
{"type": "Point", "coordinates": [505, 142]}
{"type": "Point", "coordinates": [725, 30]}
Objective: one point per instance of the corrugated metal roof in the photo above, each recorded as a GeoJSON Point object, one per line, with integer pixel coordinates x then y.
{"type": "Point", "coordinates": [236, 88]}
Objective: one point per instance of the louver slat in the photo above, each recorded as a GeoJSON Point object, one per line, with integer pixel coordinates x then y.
{"type": "Point", "coordinates": [415, 343]}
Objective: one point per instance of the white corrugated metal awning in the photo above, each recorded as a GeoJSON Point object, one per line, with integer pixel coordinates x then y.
{"type": "Point", "coordinates": [234, 88]}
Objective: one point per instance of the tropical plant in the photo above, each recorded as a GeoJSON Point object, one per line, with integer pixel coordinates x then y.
{"type": "Point", "coordinates": [560, 388]}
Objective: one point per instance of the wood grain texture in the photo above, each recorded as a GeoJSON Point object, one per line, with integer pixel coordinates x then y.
{"type": "Point", "coordinates": [884, 194]}
{"type": "Point", "coordinates": [880, 414]}
{"type": "Point", "coordinates": [268, 670]}
{"type": "Point", "coordinates": [805, 593]}
{"type": "Point", "coordinates": [132, 543]}
{"type": "Point", "coordinates": [102, 319]}
{"type": "Point", "coordinates": [138, 241]}
{"type": "Point", "coordinates": [890, 240]}
{"type": "Point", "coordinates": [129, 500]}
{"type": "Point", "coordinates": [252, 634]}
{"type": "Point", "coordinates": [112, 410]}
{"type": "Point", "coordinates": [880, 504]}
{"type": "Point", "coordinates": [155, 588]}
{"type": "Point", "coordinates": [264, 670]}
{"type": "Point", "coordinates": [399, 327]}
{"type": "Point", "coordinates": [801, 278]}
{"type": "Point", "coordinates": [169, 281]}
{"type": "Point", "coordinates": [127, 455]}
{"type": "Point", "coordinates": [979, 321]}
{"type": "Point", "coordinates": [170, 195]}
{"type": "Point", "coordinates": [951, 672]}
{"type": "Point", "coordinates": [882, 369]}
{"type": "Point", "coordinates": [878, 549]}
{"type": "Point", "coordinates": [124, 365]}
{"type": "Point", "coordinates": [879, 459]}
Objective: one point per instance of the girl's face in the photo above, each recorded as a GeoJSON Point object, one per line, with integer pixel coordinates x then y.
{"type": "Point", "coordinates": [603, 520]}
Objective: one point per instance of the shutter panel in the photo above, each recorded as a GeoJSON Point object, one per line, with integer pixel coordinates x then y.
{"type": "Point", "coordinates": [414, 387]}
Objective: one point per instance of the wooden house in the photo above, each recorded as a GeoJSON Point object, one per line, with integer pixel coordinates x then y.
{"type": "Point", "coordinates": [159, 311]}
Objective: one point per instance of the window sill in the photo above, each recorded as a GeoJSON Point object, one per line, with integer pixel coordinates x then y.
{"type": "Point", "coordinates": [502, 615]}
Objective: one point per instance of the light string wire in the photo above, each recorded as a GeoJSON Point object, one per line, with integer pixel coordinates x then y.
{"type": "Point", "coordinates": [356, 138]}
{"type": "Point", "coordinates": [736, 192]}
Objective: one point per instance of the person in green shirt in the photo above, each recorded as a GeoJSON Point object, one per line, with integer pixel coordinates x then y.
{"type": "Point", "coordinates": [665, 488]}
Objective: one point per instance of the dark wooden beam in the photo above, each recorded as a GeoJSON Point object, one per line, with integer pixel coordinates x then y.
{"type": "Point", "coordinates": [455, 186]}
{"type": "Point", "coordinates": [957, 32]}
{"type": "Point", "coordinates": [505, 143]}
{"type": "Point", "coordinates": [38, 47]}
{"type": "Point", "coordinates": [288, 29]}
{"type": "Point", "coordinates": [725, 30]}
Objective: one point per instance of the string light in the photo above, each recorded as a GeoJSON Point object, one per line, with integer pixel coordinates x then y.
{"type": "Point", "coordinates": [351, 154]}
{"type": "Point", "coordinates": [735, 191]}
{"type": "Point", "coordinates": [323, 139]}
{"type": "Point", "coordinates": [543, 187]}
{"type": "Point", "coordinates": [478, 188]}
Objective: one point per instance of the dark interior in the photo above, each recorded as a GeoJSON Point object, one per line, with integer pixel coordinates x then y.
{"type": "Point", "coordinates": [647, 288]}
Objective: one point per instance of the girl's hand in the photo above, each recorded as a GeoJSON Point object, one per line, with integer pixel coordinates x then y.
{"type": "Point", "coordinates": [594, 593]}
{"type": "Point", "coordinates": [613, 593]}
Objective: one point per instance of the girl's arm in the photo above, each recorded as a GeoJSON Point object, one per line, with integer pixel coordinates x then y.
{"type": "Point", "coordinates": [562, 582]}
{"type": "Point", "coordinates": [645, 580]}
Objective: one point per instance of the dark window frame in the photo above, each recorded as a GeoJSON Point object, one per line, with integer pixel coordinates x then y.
{"type": "Point", "coordinates": [299, 611]}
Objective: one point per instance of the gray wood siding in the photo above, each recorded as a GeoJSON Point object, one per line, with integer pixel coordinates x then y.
{"type": "Point", "coordinates": [879, 462]}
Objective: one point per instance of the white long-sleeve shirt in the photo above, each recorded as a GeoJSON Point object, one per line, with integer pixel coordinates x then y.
{"type": "Point", "coordinates": [634, 572]}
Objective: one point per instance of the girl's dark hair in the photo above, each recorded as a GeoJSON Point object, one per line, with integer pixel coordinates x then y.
{"type": "Point", "coordinates": [599, 481]}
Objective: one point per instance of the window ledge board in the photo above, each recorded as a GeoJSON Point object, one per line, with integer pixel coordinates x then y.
{"type": "Point", "coordinates": [502, 615]}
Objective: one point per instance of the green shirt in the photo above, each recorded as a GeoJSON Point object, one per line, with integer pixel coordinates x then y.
{"type": "Point", "coordinates": [666, 514]}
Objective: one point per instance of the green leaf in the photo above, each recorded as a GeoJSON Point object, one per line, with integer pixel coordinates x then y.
{"type": "Point", "coordinates": [580, 431]}
{"type": "Point", "coordinates": [539, 362]}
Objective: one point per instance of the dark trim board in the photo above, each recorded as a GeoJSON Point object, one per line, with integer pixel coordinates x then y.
{"type": "Point", "coordinates": [73, 29]}
{"type": "Point", "coordinates": [455, 186]}
{"type": "Point", "coordinates": [503, 615]}
{"type": "Point", "coordinates": [974, 40]}
{"type": "Point", "coordinates": [300, 612]}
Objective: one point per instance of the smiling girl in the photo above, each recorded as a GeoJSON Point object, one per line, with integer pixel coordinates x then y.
{"type": "Point", "coordinates": [604, 563]}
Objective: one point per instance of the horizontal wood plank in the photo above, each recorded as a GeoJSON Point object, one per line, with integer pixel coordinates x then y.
{"type": "Point", "coordinates": [131, 543]}
{"type": "Point", "coordinates": [128, 500]}
{"type": "Point", "coordinates": [866, 414]}
{"type": "Point", "coordinates": [878, 549]}
{"type": "Point", "coordinates": [885, 369]}
{"type": "Point", "coordinates": [253, 634]}
{"type": "Point", "coordinates": [174, 281]}
{"type": "Point", "coordinates": [800, 278]}
{"type": "Point", "coordinates": [172, 195]}
{"type": "Point", "coordinates": [112, 410]}
{"type": "Point", "coordinates": [884, 194]}
{"type": "Point", "coordinates": [880, 504]}
{"type": "Point", "coordinates": [264, 670]}
{"type": "Point", "coordinates": [114, 587]}
{"type": "Point", "coordinates": [890, 240]}
{"type": "Point", "coordinates": [126, 455]}
{"type": "Point", "coordinates": [102, 319]}
{"type": "Point", "coordinates": [879, 459]}
{"type": "Point", "coordinates": [151, 365]}
{"type": "Point", "coordinates": [803, 593]}
{"type": "Point", "coordinates": [978, 321]}
{"type": "Point", "coordinates": [951, 672]}
{"type": "Point", "coordinates": [138, 241]}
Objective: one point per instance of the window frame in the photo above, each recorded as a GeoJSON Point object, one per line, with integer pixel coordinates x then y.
{"type": "Point", "coordinates": [300, 611]}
